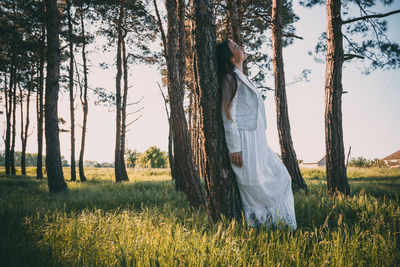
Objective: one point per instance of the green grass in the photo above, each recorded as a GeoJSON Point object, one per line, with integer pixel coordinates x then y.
{"type": "Point", "coordinates": [145, 222]}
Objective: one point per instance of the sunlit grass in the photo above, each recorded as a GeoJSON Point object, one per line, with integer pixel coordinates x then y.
{"type": "Point", "coordinates": [91, 173]}
{"type": "Point", "coordinates": [146, 222]}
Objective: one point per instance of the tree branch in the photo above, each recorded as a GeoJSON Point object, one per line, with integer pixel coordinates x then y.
{"type": "Point", "coordinates": [134, 120]}
{"type": "Point", "coordinates": [135, 103]}
{"type": "Point", "coordinates": [292, 35]}
{"type": "Point", "coordinates": [133, 112]}
{"type": "Point", "coordinates": [370, 17]}
{"type": "Point", "coordinates": [159, 22]}
{"type": "Point", "coordinates": [351, 56]}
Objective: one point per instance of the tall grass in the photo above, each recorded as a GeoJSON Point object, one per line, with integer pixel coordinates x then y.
{"type": "Point", "coordinates": [145, 222]}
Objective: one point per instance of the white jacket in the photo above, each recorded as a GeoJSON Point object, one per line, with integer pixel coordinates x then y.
{"type": "Point", "coordinates": [243, 110]}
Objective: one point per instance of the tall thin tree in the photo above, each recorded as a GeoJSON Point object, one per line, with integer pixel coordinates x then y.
{"type": "Point", "coordinates": [120, 173]}
{"type": "Point", "coordinates": [84, 99]}
{"type": "Point", "coordinates": [183, 154]}
{"type": "Point", "coordinates": [14, 121]}
{"type": "Point", "coordinates": [40, 107]}
{"type": "Point", "coordinates": [123, 107]}
{"type": "Point", "coordinates": [335, 156]}
{"type": "Point", "coordinates": [25, 126]}
{"type": "Point", "coordinates": [7, 141]}
{"type": "Point", "coordinates": [285, 138]}
{"type": "Point", "coordinates": [54, 170]}
{"type": "Point", "coordinates": [71, 90]}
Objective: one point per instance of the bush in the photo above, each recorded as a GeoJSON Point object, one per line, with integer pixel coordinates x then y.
{"type": "Point", "coordinates": [366, 163]}
{"type": "Point", "coordinates": [132, 157]}
{"type": "Point", "coordinates": [153, 157]}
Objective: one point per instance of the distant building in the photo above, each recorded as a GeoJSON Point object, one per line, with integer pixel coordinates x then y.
{"type": "Point", "coordinates": [320, 163]}
{"type": "Point", "coordinates": [392, 159]}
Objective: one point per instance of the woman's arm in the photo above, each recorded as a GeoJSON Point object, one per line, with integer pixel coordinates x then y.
{"type": "Point", "coordinates": [232, 135]}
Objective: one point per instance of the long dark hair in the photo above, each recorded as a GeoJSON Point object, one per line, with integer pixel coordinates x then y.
{"type": "Point", "coordinates": [226, 75]}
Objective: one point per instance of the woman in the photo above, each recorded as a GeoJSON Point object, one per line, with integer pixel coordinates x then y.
{"type": "Point", "coordinates": [264, 182]}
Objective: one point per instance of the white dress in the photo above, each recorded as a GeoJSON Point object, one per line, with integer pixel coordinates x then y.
{"type": "Point", "coordinates": [263, 180]}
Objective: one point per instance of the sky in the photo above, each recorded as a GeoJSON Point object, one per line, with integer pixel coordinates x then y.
{"type": "Point", "coordinates": [371, 108]}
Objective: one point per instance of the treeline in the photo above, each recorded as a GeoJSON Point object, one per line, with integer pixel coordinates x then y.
{"type": "Point", "coordinates": [153, 157]}
{"type": "Point", "coordinates": [30, 159]}
{"type": "Point", "coordinates": [44, 43]}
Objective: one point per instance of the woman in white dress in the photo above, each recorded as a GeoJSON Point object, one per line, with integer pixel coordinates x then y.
{"type": "Point", "coordinates": [264, 182]}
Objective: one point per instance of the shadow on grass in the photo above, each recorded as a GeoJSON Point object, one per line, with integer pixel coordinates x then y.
{"type": "Point", "coordinates": [103, 194]}
{"type": "Point", "coordinates": [379, 187]}
{"type": "Point", "coordinates": [18, 243]}
{"type": "Point", "coordinates": [24, 197]}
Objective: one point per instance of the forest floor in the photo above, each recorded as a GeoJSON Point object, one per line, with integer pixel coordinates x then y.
{"type": "Point", "coordinates": [145, 222]}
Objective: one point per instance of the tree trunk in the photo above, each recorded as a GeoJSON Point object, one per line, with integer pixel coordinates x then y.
{"type": "Point", "coordinates": [13, 129]}
{"type": "Point", "coordinates": [200, 141]}
{"type": "Point", "coordinates": [39, 115]}
{"type": "Point", "coordinates": [170, 133]}
{"type": "Point", "coordinates": [335, 156]}
{"type": "Point", "coordinates": [197, 137]}
{"type": "Point", "coordinates": [222, 191]}
{"type": "Point", "coordinates": [183, 155]}
{"type": "Point", "coordinates": [182, 48]}
{"type": "Point", "coordinates": [123, 110]}
{"type": "Point", "coordinates": [171, 150]}
{"type": "Point", "coordinates": [71, 91]}
{"type": "Point", "coordinates": [24, 127]}
{"type": "Point", "coordinates": [8, 101]}
{"type": "Point", "coordinates": [235, 14]}
{"type": "Point", "coordinates": [117, 164]}
{"type": "Point", "coordinates": [84, 102]}
{"type": "Point", "coordinates": [285, 138]}
{"type": "Point", "coordinates": [54, 170]}
{"type": "Point", "coordinates": [190, 116]}
{"type": "Point", "coordinates": [27, 122]}
{"type": "Point", "coordinates": [175, 172]}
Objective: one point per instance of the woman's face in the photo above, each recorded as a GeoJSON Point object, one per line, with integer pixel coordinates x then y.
{"type": "Point", "coordinates": [238, 52]}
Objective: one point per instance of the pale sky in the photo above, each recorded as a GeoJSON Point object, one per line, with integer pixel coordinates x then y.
{"type": "Point", "coordinates": [371, 110]}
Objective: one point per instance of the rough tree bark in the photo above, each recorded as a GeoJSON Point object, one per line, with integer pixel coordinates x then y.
{"type": "Point", "coordinates": [183, 154]}
{"type": "Point", "coordinates": [195, 108]}
{"type": "Point", "coordinates": [84, 102]}
{"type": "Point", "coordinates": [222, 191]}
{"type": "Point", "coordinates": [285, 138]}
{"type": "Point", "coordinates": [55, 175]}
{"type": "Point", "coordinates": [335, 156]}
{"type": "Point", "coordinates": [233, 15]}
{"type": "Point", "coordinates": [71, 91]}
{"type": "Point", "coordinates": [180, 183]}
{"type": "Point", "coordinates": [235, 18]}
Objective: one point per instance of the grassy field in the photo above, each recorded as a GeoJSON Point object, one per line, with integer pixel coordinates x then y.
{"type": "Point", "coordinates": [145, 222]}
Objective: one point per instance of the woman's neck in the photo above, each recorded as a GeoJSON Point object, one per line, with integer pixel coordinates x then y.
{"type": "Point", "coordinates": [239, 66]}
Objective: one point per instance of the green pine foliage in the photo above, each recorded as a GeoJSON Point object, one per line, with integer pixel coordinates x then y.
{"type": "Point", "coordinates": [145, 222]}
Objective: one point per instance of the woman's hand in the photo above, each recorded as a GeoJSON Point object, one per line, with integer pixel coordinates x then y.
{"type": "Point", "coordinates": [236, 158]}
